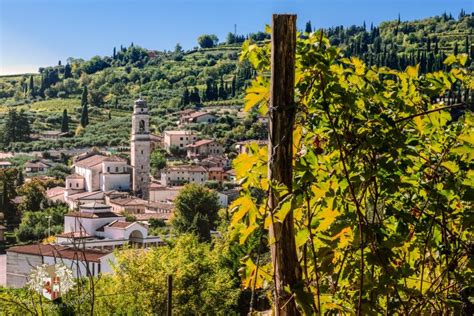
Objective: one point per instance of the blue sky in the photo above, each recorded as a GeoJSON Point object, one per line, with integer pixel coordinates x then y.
{"type": "Point", "coordinates": [35, 33]}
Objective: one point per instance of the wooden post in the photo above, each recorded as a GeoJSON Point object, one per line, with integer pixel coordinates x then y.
{"type": "Point", "coordinates": [169, 302]}
{"type": "Point", "coordinates": [282, 115]}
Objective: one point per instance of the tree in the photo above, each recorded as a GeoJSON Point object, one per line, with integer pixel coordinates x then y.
{"type": "Point", "coordinates": [33, 195]}
{"type": "Point", "coordinates": [8, 178]}
{"type": "Point", "coordinates": [201, 282]}
{"type": "Point", "coordinates": [84, 96]}
{"type": "Point", "coordinates": [207, 41]}
{"type": "Point", "coordinates": [157, 161]}
{"type": "Point", "coordinates": [35, 226]}
{"type": "Point", "coordinates": [308, 28]}
{"type": "Point", "coordinates": [67, 71]}
{"type": "Point", "coordinates": [194, 97]}
{"type": "Point", "coordinates": [85, 116]}
{"type": "Point", "coordinates": [65, 122]}
{"type": "Point", "coordinates": [95, 98]}
{"type": "Point", "coordinates": [186, 97]}
{"type": "Point", "coordinates": [375, 189]}
{"type": "Point", "coordinates": [196, 211]}
{"type": "Point", "coordinates": [31, 88]}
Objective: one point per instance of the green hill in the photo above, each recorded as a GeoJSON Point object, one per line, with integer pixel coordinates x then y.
{"type": "Point", "coordinates": [210, 77]}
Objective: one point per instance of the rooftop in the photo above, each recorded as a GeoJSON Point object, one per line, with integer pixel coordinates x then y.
{"type": "Point", "coordinates": [201, 143]}
{"type": "Point", "coordinates": [90, 161]}
{"type": "Point", "coordinates": [182, 132]}
{"type": "Point", "coordinates": [74, 176]}
{"type": "Point", "coordinates": [128, 201]}
{"type": "Point", "coordinates": [189, 168]}
{"type": "Point", "coordinates": [93, 215]}
{"type": "Point", "coordinates": [60, 252]}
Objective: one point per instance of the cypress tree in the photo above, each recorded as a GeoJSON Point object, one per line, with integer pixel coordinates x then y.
{"type": "Point", "coordinates": [65, 122]}
{"type": "Point", "coordinates": [455, 51]}
{"type": "Point", "coordinates": [31, 87]}
{"type": "Point", "coordinates": [114, 55]}
{"type": "Point", "coordinates": [84, 96]}
{"type": "Point", "coordinates": [185, 98]}
{"type": "Point", "coordinates": [233, 87]}
{"type": "Point", "coordinates": [20, 180]}
{"type": "Point", "coordinates": [308, 28]}
{"type": "Point", "coordinates": [110, 115]}
{"type": "Point", "coordinates": [67, 71]}
{"type": "Point", "coordinates": [85, 116]}
{"type": "Point", "coordinates": [466, 46]}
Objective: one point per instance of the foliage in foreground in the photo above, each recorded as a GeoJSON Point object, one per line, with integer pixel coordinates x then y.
{"type": "Point", "coordinates": [382, 185]}
{"type": "Point", "coordinates": [202, 284]}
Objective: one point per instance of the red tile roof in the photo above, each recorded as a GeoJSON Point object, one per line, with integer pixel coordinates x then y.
{"type": "Point", "coordinates": [201, 143]}
{"type": "Point", "coordinates": [128, 201]}
{"type": "Point", "coordinates": [80, 234]}
{"type": "Point", "coordinates": [90, 161]}
{"type": "Point", "coordinates": [74, 176]}
{"type": "Point", "coordinates": [120, 224]}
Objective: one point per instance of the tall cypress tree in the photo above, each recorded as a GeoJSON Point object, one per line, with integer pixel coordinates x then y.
{"type": "Point", "coordinates": [455, 51]}
{"type": "Point", "coordinates": [85, 116]}
{"type": "Point", "coordinates": [308, 28]}
{"type": "Point", "coordinates": [31, 88]}
{"type": "Point", "coordinates": [84, 96]}
{"type": "Point", "coordinates": [65, 122]}
{"type": "Point", "coordinates": [67, 71]}
{"type": "Point", "coordinates": [233, 87]}
{"type": "Point", "coordinates": [85, 110]}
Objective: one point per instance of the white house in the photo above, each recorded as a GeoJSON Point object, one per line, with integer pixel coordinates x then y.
{"type": "Point", "coordinates": [197, 117]}
{"type": "Point", "coordinates": [179, 175]}
{"type": "Point", "coordinates": [83, 262]}
{"type": "Point", "coordinates": [178, 139]}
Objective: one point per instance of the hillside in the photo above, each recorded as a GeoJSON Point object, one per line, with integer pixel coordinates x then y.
{"type": "Point", "coordinates": [208, 77]}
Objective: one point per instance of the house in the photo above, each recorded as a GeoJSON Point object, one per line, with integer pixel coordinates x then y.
{"type": "Point", "coordinates": [197, 117]}
{"type": "Point", "coordinates": [160, 193]}
{"type": "Point", "coordinates": [231, 175]}
{"type": "Point", "coordinates": [129, 205]}
{"type": "Point", "coordinates": [83, 262]}
{"type": "Point", "coordinates": [36, 167]}
{"type": "Point", "coordinates": [215, 161]}
{"type": "Point", "coordinates": [217, 174]}
{"type": "Point", "coordinates": [5, 164]}
{"type": "Point", "coordinates": [160, 207]}
{"type": "Point", "coordinates": [242, 147]}
{"type": "Point", "coordinates": [178, 139]}
{"type": "Point", "coordinates": [204, 148]}
{"type": "Point", "coordinates": [181, 174]}
{"type": "Point", "coordinates": [52, 135]}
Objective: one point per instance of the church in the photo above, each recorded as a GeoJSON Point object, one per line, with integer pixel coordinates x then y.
{"type": "Point", "coordinates": [97, 175]}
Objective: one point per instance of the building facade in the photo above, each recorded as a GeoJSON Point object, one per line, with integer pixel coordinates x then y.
{"type": "Point", "coordinates": [140, 149]}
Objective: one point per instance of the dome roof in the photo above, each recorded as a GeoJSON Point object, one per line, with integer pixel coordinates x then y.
{"type": "Point", "coordinates": [140, 103]}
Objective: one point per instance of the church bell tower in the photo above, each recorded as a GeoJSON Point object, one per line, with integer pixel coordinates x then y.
{"type": "Point", "coordinates": [140, 149]}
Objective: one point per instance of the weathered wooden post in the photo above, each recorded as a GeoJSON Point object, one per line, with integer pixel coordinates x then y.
{"type": "Point", "coordinates": [169, 302]}
{"type": "Point", "coordinates": [281, 116]}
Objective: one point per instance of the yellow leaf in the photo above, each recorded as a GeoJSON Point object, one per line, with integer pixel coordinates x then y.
{"type": "Point", "coordinates": [345, 237]}
{"type": "Point", "coordinates": [419, 124]}
{"type": "Point", "coordinates": [327, 217]}
{"type": "Point", "coordinates": [246, 233]}
{"type": "Point", "coordinates": [451, 166]}
{"type": "Point", "coordinates": [242, 205]}
{"type": "Point", "coordinates": [412, 71]}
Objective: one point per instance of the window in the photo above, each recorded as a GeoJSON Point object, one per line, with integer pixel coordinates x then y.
{"type": "Point", "coordinates": [108, 169]}
{"type": "Point", "coordinates": [70, 185]}
{"type": "Point", "coordinates": [181, 138]}
{"type": "Point", "coordinates": [77, 185]}
{"type": "Point", "coordinates": [116, 169]}
{"type": "Point", "coordinates": [142, 152]}
{"type": "Point", "coordinates": [142, 167]}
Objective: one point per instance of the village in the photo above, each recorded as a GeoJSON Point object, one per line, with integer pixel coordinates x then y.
{"type": "Point", "coordinates": [104, 190]}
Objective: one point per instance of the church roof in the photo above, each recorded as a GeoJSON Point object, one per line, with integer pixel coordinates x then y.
{"type": "Point", "coordinates": [140, 103]}
{"type": "Point", "coordinates": [74, 176]}
{"type": "Point", "coordinates": [90, 161]}
{"type": "Point", "coordinates": [128, 201]}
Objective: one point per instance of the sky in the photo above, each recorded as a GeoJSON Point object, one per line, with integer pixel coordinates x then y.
{"type": "Point", "coordinates": [38, 33]}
